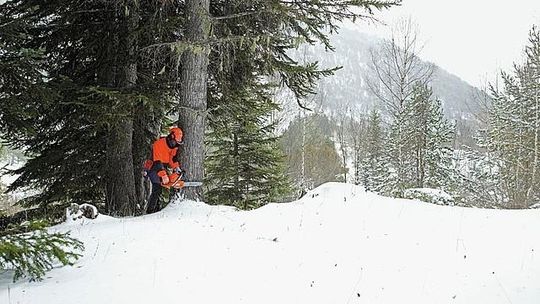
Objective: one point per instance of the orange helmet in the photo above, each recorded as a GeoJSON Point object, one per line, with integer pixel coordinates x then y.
{"type": "Point", "coordinates": [177, 134]}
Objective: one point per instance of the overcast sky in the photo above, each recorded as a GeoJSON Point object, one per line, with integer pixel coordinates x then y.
{"type": "Point", "coordinates": [470, 38]}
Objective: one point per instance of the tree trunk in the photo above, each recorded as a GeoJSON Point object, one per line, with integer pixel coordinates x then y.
{"type": "Point", "coordinates": [533, 186]}
{"type": "Point", "coordinates": [146, 128]}
{"type": "Point", "coordinates": [122, 198]}
{"type": "Point", "coordinates": [121, 193]}
{"type": "Point", "coordinates": [193, 98]}
{"type": "Point", "coordinates": [236, 165]}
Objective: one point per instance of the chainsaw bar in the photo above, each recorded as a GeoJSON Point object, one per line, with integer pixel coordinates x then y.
{"type": "Point", "coordinates": [193, 184]}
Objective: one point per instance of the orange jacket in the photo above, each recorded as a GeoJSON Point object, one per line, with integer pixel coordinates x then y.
{"type": "Point", "coordinates": [161, 153]}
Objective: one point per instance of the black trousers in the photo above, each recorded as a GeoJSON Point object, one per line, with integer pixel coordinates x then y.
{"type": "Point", "coordinates": [153, 202]}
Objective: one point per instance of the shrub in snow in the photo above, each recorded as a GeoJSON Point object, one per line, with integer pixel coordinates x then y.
{"type": "Point", "coordinates": [30, 251]}
{"type": "Point", "coordinates": [434, 196]}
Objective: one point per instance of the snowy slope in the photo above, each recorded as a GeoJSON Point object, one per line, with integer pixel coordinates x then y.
{"type": "Point", "coordinates": [338, 244]}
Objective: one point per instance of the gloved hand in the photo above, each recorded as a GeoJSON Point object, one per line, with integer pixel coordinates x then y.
{"type": "Point", "coordinates": [164, 177]}
{"type": "Point", "coordinates": [174, 182]}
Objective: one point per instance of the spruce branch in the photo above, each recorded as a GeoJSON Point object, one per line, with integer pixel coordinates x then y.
{"type": "Point", "coordinates": [32, 254]}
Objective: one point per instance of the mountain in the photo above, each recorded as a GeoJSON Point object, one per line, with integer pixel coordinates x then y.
{"type": "Point", "coordinates": [338, 244]}
{"type": "Point", "coordinates": [348, 87]}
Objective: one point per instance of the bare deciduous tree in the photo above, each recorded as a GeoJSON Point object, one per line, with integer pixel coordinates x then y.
{"type": "Point", "coordinates": [397, 68]}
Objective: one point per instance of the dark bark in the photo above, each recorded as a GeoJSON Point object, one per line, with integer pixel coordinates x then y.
{"type": "Point", "coordinates": [193, 97]}
{"type": "Point", "coordinates": [140, 153]}
{"type": "Point", "coordinates": [121, 193]}
{"type": "Point", "coordinates": [146, 128]}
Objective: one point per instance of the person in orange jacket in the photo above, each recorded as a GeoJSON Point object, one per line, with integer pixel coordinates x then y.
{"type": "Point", "coordinates": [164, 157]}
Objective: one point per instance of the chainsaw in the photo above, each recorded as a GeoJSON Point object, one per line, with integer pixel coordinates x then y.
{"type": "Point", "coordinates": [176, 182]}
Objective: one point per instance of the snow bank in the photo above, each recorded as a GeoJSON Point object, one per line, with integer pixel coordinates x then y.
{"type": "Point", "coordinates": [338, 244]}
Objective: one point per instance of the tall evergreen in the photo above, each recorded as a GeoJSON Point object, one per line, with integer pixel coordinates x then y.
{"type": "Point", "coordinates": [375, 172]}
{"type": "Point", "coordinates": [245, 165]}
{"type": "Point", "coordinates": [420, 144]}
{"type": "Point", "coordinates": [514, 129]}
{"type": "Point", "coordinates": [431, 136]}
{"type": "Point", "coordinates": [193, 101]}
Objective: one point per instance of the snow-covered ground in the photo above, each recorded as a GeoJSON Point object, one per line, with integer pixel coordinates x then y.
{"type": "Point", "coordinates": [338, 244]}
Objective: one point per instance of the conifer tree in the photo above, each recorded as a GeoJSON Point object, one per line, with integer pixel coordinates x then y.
{"type": "Point", "coordinates": [478, 178]}
{"type": "Point", "coordinates": [375, 172]}
{"type": "Point", "coordinates": [30, 251]}
{"type": "Point", "coordinates": [245, 165]}
{"type": "Point", "coordinates": [514, 129]}
{"type": "Point", "coordinates": [430, 136]}
{"type": "Point", "coordinates": [420, 144]}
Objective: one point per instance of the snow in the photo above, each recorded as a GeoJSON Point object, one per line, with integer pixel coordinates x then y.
{"type": "Point", "coordinates": [339, 244]}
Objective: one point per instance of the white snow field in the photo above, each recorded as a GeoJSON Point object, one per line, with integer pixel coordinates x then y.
{"type": "Point", "coordinates": [339, 244]}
